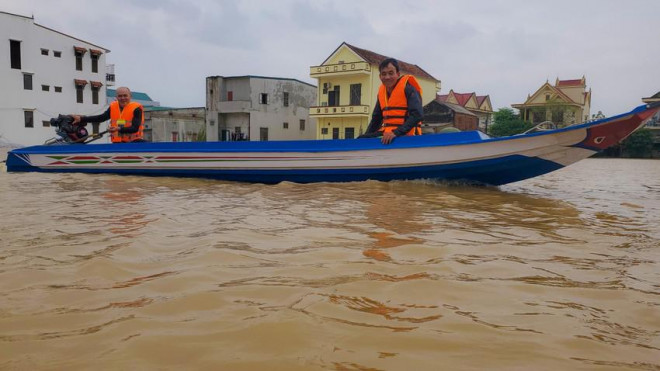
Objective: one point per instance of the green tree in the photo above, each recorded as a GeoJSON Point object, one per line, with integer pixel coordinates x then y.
{"type": "Point", "coordinates": [506, 122]}
{"type": "Point", "coordinates": [639, 144]}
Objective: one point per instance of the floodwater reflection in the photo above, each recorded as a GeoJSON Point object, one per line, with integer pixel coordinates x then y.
{"type": "Point", "coordinates": [559, 272]}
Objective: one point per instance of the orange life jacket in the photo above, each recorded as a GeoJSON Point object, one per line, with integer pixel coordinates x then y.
{"type": "Point", "coordinates": [395, 107]}
{"type": "Point", "coordinates": [124, 117]}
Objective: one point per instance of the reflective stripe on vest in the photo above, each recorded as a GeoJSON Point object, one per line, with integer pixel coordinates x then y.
{"type": "Point", "coordinates": [125, 117]}
{"type": "Point", "coordinates": [395, 107]}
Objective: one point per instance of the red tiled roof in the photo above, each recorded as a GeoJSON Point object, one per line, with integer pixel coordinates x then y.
{"type": "Point", "coordinates": [80, 82]}
{"type": "Point", "coordinates": [80, 49]}
{"type": "Point", "coordinates": [481, 99]}
{"type": "Point", "coordinates": [375, 58]}
{"type": "Point", "coordinates": [462, 98]}
{"type": "Point", "coordinates": [96, 84]}
{"type": "Point", "coordinates": [95, 51]}
{"type": "Point", "coordinates": [441, 98]}
{"type": "Point", "coordinates": [577, 82]}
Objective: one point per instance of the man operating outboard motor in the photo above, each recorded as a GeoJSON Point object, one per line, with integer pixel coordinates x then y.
{"type": "Point", "coordinates": [69, 132]}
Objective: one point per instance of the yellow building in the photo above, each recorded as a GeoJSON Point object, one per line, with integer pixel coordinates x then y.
{"type": "Point", "coordinates": [348, 85]}
{"type": "Point", "coordinates": [566, 103]}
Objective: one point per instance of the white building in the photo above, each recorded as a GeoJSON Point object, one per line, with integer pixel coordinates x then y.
{"type": "Point", "coordinates": [258, 108]}
{"type": "Point", "coordinates": [45, 73]}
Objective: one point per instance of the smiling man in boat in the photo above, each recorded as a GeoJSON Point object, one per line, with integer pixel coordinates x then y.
{"type": "Point", "coordinates": [399, 110]}
{"type": "Point", "coordinates": [126, 118]}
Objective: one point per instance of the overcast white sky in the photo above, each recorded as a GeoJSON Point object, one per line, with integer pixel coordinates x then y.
{"type": "Point", "coordinates": [504, 48]}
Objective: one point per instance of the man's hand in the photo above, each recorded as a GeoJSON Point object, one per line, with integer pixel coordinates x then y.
{"type": "Point", "coordinates": [76, 119]}
{"type": "Point", "coordinates": [388, 137]}
{"type": "Point", "coordinates": [112, 129]}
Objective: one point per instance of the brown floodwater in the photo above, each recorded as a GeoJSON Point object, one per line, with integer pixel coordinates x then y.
{"type": "Point", "coordinates": [124, 272]}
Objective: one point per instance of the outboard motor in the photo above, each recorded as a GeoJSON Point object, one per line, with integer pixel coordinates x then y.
{"type": "Point", "coordinates": [67, 132]}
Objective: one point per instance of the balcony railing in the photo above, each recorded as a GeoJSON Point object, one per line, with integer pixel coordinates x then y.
{"type": "Point", "coordinates": [340, 69]}
{"type": "Point", "coordinates": [338, 111]}
{"type": "Point", "coordinates": [110, 79]}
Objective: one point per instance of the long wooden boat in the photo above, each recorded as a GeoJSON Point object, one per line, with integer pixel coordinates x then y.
{"type": "Point", "coordinates": [469, 156]}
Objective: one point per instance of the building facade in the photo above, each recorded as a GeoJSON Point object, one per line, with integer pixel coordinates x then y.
{"type": "Point", "coordinates": [566, 103]}
{"type": "Point", "coordinates": [45, 73]}
{"type": "Point", "coordinates": [163, 124]}
{"type": "Point", "coordinates": [258, 108]}
{"type": "Point", "coordinates": [348, 82]}
{"type": "Point", "coordinates": [479, 105]}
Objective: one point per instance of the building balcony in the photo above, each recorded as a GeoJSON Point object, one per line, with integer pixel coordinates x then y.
{"type": "Point", "coordinates": [110, 75]}
{"type": "Point", "coordinates": [339, 111]}
{"type": "Point", "coordinates": [234, 106]}
{"type": "Point", "coordinates": [110, 79]}
{"type": "Point", "coordinates": [343, 69]}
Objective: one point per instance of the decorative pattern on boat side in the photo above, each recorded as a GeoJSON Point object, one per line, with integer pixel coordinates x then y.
{"type": "Point", "coordinates": [59, 160]}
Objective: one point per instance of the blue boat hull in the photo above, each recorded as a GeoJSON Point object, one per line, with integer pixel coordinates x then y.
{"type": "Point", "coordinates": [467, 156]}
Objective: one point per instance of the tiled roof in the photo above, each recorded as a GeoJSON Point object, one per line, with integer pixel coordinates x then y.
{"type": "Point", "coordinates": [457, 108]}
{"type": "Point", "coordinates": [136, 95]}
{"type": "Point", "coordinates": [442, 98]}
{"type": "Point", "coordinates": [577, 82]}
{"type": "Point", "coordinates": [481, 99]}
{"type": "Point", "coordinates": [375, 58]}
{"type": "Point", "coordinates": [462, 98]}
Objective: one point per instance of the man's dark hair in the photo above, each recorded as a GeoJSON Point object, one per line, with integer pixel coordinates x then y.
{"type": "Point", "coordinates": [388, 61]}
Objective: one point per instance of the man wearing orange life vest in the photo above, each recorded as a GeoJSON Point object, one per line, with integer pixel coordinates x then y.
{"type": "Point", "coordinates": [399, 110]}
{"type": "Point", "coordinates": [126, 118]}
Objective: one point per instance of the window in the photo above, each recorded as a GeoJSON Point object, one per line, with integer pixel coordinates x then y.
{"type": "Point", "coordinates": [58, 89]}
{"type": "Point", "coordinates": [333, 97]}
{"type": "Point", "coordinates": [95, 95]}
{"type": "Point", "coordinates": [302, 125]}
{"type": "Point", "coordinates": [335, 133]}
{"type": "Point", "coordinates": [263, 134]}
{"type": "Point", "coordinates": [45, 123]}
{"type": "Point", "coordinates": [356, 94]}
{"type": "Point", "coordinates": [230, 96]}
{"type": "Point", "coordinates": [285, 99]}
{"type": "Point", "coordinates": [15, 54]}
{"type": "Point", "coordinates": [45, 87]}
{"type": "Point", "coordinates": [79, 93]}
{"type": "Point", "coordinates": [175, 136]}
{"type": "Point", "coordinates": [57, 54]}
{"type": "Point", "coordinates": [285, 125]}
{"type": "Point", "coordinates": [29, 119]}
{"type": "Point", "coordinates": [547, 97]}
{"type": "Point", "coordinates": [324, 131]}
{"type": "Point", "coordinates": [349, 133]}
{"type": "Point", "coordinates": [95, 63]}
{"type": "Point", "coordinates": [78, 62]}
{"type": "Point", "coordinates": [27, 81]}
{"type": "Point", "coordinates": [80, 52]}
{"type": "Point", "coordinates": [44, 51]}
{"type": "Point", "coordinates": [263, 98]}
